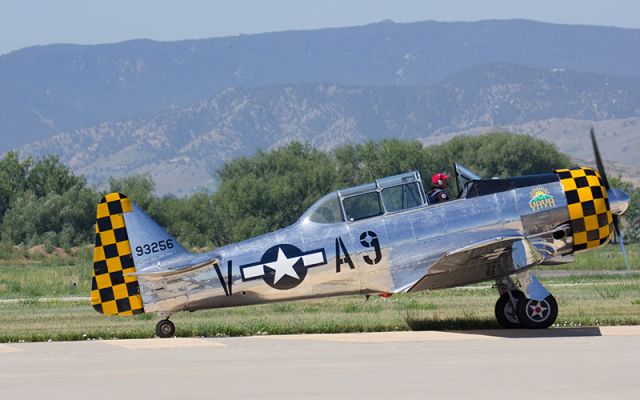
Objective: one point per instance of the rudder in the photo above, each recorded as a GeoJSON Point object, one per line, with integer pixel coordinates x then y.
{"type": "Point", "coordinates": [114, 287]}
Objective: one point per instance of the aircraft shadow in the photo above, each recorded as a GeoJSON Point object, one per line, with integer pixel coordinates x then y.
{"type": "Point", "coordinates": [489, 327]}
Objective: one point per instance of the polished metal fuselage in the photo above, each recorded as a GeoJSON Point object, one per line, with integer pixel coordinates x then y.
{"type": "Point", "coordinates": [409, 244]}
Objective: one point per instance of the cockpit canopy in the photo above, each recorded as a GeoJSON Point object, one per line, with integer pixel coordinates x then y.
{"type": "Point", "coordinates": [387, 195]}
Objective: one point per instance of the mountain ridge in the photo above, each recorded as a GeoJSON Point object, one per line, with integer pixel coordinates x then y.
{"type": "Point", "coordinates": [182, 147]}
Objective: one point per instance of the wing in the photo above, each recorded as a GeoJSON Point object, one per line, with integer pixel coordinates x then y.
{"type": "Point", "coordinates": [480, 262]}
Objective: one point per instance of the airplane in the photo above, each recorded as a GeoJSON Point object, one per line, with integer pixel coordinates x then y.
{"type": "Point", "coordinates": [378, 238]}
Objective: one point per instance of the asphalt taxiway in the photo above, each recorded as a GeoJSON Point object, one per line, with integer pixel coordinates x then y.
{"type": "Point", "coordinates": [584, 363]}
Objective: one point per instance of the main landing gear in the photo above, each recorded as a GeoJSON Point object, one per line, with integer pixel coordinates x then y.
{"type": "Point", "coordinates": [532, 307]}
{"type": "Point", "coordinates": [165, 328]}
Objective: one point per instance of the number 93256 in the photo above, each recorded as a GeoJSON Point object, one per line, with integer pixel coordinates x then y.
{"type": "Point", "coordinates": [154, 247]}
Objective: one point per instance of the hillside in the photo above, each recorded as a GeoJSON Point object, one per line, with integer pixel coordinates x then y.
{"type": "Point", "coordinates": [182, 147]}
{"type": "Point", "coordinates": [47, 90]}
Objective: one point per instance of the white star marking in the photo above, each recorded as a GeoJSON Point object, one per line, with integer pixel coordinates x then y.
{"type": "Point", "coordinates": [283, 266]}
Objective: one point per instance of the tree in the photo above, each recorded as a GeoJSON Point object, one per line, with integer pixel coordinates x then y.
{"type": "Point", "coordinates": [271, 190]}
{"type": "Point", "coordinates": [13, 179]}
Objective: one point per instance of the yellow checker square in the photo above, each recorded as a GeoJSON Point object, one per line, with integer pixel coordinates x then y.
{"type": "Point", "coordinates": [120, 291]}
{"type": "Point", "coordinates": [98, 254]}
{"type": "Point", "coordinates": [592, 180]}
{"type": "Point", "coordinates": [591, 223]}
{"type": "Point", "coordinates": [577, 173]}
{"type": "Point", "coordinates": [110, 308]}
{"type": "Point", "coordinates": [579, 237]}
{"type": "Point", "coordinates": [112, 197]}
{"type": "Point", "coordinates": [107, 237]}
{"type": "Point", "coordinates": [103, 210]}
{"type": "Point", "coordinates": [601, 206]}
{"type": "Point", "coordinates": [569, 184]}
{"type": "Point", "coordinates": [103, 281]}
{"type": "Point", "coordinates": [95, 297]}
{"type": "Point", "coordinates": [604, 232]}
{"type": "Point", "coordinates": [117, 221]}
{"type": "Point", "coordinates": [129, 275]}
{"type": "Point", "coordinates": [126, 205]}
{"type": "Point", "coordinates": [593, 243]}
{"type": "Point", "coordinates": [136, 302]}
{"type": "Point", "coordinates": [575, 211]}
{"type": "Point", "coordinates": [114, 264]}
{"type": "Point", "coordinates": [126, 313]}
{"type": "Point", "coordinates": [123, 248]}
{"type": "Point", "coordinates": [585, 194]}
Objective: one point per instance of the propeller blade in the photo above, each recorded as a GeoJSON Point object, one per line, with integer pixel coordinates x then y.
{"type": "Point", "coordinates": [616, 226]}
{"type": "Point", "coordinates": [599, 163]}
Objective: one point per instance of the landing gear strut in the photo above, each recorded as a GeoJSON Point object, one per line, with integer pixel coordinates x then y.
{"type": "Point", "coordinates": [165, 328]}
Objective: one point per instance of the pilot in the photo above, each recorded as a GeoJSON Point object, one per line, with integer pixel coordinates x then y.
{"type": "Point", "coordinates": [437, 193]}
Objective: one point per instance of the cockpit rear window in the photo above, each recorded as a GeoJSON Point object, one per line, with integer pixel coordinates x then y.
{"type": "Point", "coordinates": [402, 197]}
{"type": "Point", "coordinates": [327, 210]}
{"type": "Point", "coordinates": [363, 206]}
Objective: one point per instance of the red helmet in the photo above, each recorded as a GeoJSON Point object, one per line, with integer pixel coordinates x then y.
{"type": "Point", "coordinates": [439, 178]}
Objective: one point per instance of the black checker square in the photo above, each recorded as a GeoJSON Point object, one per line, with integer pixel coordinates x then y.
{"type": "Point", "coordinates": [106, 294]}
{"type": "Point", "coordinates": [589, 208]}
{"type": "Point", "coordinates": [565, 174]}
{"type": "Point", "coordinates": [123, 305]}
{"type": "Point", "coordinates": [578, 225]}
{"type": "Point", "coordinates": [138, 311]}
{"type": "Point", "coordinates": [98, 240]}
{"type": "Point", "coordinates": [572, 197]}
{"type": "Point", "coordinates": [98, 308]}
{"type": "Point", "coordinates": [578, 247]}
{"type": "Point", "coordinates": [94, 284]}
{"type": "Point", "coordinates": [593, 235]}
{"type": "Point", "coordinates": [596, 192]}
{"type": "Point", "coordinates": [604, 240]}
{"type": "Point", "coordinates": [104, 224]}
{"type": "Point", "coordinates": [110, 251]}
{"type": "Point", "coordinates": [581, 182]}
{"type": "Point", "coordinates": [603, 220]}
{"type": "Point", "coordinates": [115, 207]}
{"type": "Point", "coordinates": [116, 278]}
{"type": "Point", "coordinates": [126, 261]}
{"type": "Point", "coordinates": [133, 288]}
{"type": "Point", "coordinates": [100, 267]}
{"type": "Point", "coordinates": [588, 171]}
{"type": "Point", "coordinates": [120, 234]}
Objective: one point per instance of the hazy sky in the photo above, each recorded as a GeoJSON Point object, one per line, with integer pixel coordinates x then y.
{"type": "Point", "coordinates": [31, 22]}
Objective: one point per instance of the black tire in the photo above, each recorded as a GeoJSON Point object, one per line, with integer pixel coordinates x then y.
{"type": "Point", "coordinates": [506, 315]}
{"type": "Point", "coordinates": [165, 329]}
{"type": "Point", "coordinates": [536, 314]}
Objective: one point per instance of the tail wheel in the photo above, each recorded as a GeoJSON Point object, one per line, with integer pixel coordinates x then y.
{"type": "Point", "coordinates": [506, 313]}
{"type": "Point", "coordinates": [165, 329]}
{"type": "Point", "coordinates": [536, 314]}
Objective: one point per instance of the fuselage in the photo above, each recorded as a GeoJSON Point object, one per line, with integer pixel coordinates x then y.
{"type": "Point", "coordinates": [387, 253]}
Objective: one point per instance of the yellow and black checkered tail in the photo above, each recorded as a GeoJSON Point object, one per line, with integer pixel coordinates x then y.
{"type": "Point", "coordinates": [588, 205]}
{"type": "Point", "coordinates": [114, 287]}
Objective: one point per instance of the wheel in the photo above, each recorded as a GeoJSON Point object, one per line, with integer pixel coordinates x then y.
{"type": "Point", "coordinates": [165, 329]}
{"type": "Point", "coordinates": [506, 314]}
{"type": "Point", "coordinates": [536, 314]}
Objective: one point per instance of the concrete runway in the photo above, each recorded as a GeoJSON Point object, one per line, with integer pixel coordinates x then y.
{"type": "Point", "coordinates": [584, 363]}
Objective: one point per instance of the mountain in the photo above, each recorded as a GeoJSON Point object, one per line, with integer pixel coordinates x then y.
{"type": "Point", "coordinates": [182, 147]}
{"type": "Point", "coordinates": [47, 90]}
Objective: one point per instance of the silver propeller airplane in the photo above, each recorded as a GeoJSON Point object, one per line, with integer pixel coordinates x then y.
{"type": "Point", "coordinates": [379, 238]}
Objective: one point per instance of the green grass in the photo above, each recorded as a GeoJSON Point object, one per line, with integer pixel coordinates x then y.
{"type": "Point", "coordinates": [608, 257]}
{"type": "Point", "coordinates": [615, 302]}
{"type": "Point", "coordinates": [584, 300]}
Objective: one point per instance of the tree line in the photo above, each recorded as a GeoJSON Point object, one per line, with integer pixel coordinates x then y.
{"type": "Point", "coordinates": [43, 202]}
